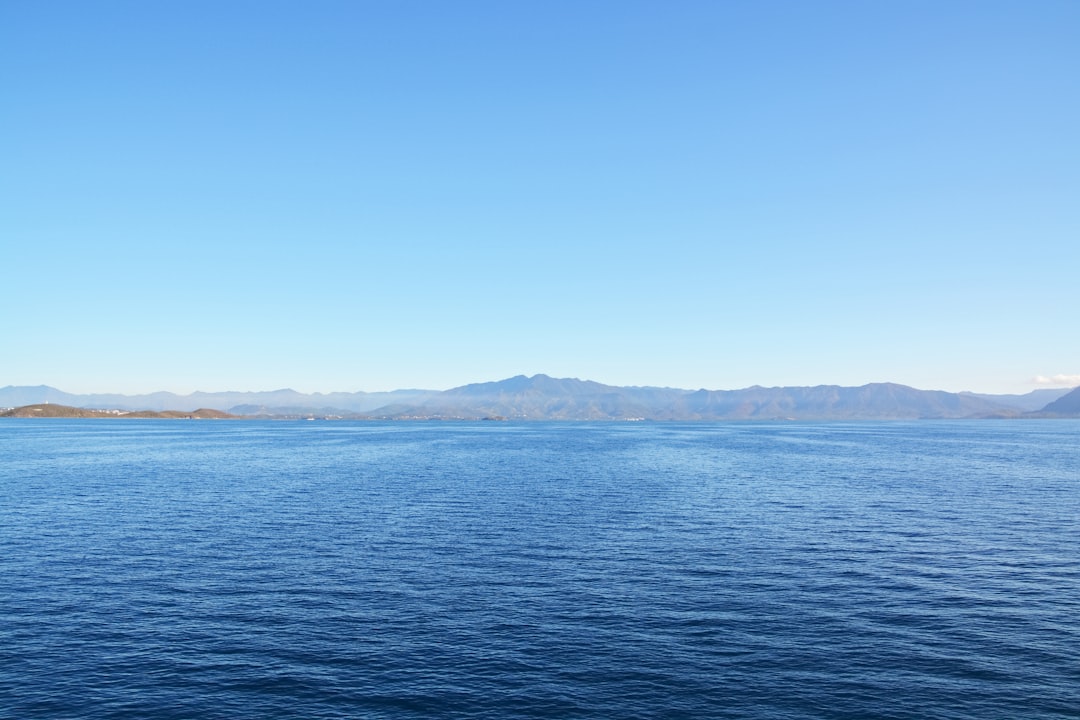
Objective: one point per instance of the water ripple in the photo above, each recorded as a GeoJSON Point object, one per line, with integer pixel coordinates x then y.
{"type": "Point", "coordinates": [339, 570]}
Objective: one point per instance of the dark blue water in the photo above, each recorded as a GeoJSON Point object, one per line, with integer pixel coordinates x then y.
{"type": "Point", "coordinates": [336, 570]}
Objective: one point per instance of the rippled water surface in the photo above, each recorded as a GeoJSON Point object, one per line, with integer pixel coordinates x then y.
{"type": "Point", "coordinates": [173, 569]}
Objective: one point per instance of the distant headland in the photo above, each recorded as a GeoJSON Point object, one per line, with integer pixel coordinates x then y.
{"type": "Point", "coordinates": [48, 410]}
{"type": "Point", "coordinates": [541, 397]}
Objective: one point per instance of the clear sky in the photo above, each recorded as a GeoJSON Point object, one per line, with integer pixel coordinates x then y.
{"type": "Point", "coordinates": [337, 196]}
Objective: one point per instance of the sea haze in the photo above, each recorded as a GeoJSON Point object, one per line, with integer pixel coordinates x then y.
{"type": "Point", "coordinates": [249, 569]}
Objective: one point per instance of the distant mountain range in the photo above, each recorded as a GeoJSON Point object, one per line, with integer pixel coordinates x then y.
{"type": "Point", "coordinates": [545, 398]}
{"type": "Point", "coordinates": [272, 402]}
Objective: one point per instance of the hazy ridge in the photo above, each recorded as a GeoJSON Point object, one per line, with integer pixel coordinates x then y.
{"type": "Point", "coordinates": [1068, 405]}
{"type": "Point", "coordinates": [541, 397]}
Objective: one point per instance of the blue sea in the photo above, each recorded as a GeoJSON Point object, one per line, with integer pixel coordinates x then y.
{"type": "Point", "coordinates": [259, 569]}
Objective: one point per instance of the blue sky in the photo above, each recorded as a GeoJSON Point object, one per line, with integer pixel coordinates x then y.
{"type": "Point", "coordinates": [373, 195]}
